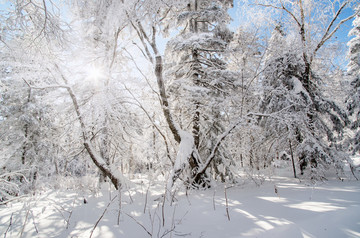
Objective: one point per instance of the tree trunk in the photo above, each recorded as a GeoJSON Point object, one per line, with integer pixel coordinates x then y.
{"type": "Point", "coordinates": [110, 172]}
{"type": "Point", "coordinates": [104, 168]}
{"type": "Point", "coordinates": [292, 159]}
{"type": "Point", "coordinates": [26, 131]}
{"type": "Point", "coordinates": [164, 98]}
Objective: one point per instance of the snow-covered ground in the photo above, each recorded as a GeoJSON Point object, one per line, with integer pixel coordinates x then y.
{"type": "Point", "coordinates": [330, 209]}
{"type": "Point", "coordinates": [280, 207]}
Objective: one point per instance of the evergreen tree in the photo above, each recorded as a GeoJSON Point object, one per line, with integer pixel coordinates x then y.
{"type": "Point", "coordinates": [353, 102]}
{"type": "Point", "coordinates": [298, 112]}
{"type": "Point", "coordinates": [201, 81]}
{"type": "Point", "coordinates": [27, 125]}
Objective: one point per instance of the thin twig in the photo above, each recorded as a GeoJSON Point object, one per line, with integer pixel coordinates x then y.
{"type": "Point", "coordinates": [33, 217]}
{"type": "Point", "coordinates": [115, 45]}
{"type": "Point", "coordinates": [23, 228]}
{"type": "Point", "coordinates": [119, 213]}
{"type": "Point", "coordinates": [152, 122]}
{"type": "Point", "coordinates": [172, 224]}
{"type": "Point", "coordinates": [163, 209]}
{"type": "Point", "coordinates": [227, 205]}
{"type": "Point", "coordinates": [187, 195]}
{"type": "Point", "coordinates": [67, 221]}
{"type": "Point", "coordinates": [146, 198]}
{"type": "Point", "coordinates": [214, 200]}
{"type": "Point", "coordinates": [131, 199]}
{"type": "Point", "coordinates": [102, 215]}
{"type": "Point", "coordinates": [139, 224]}
{"type": "Point", "coordinates": [10, 223]}
{"type": "Point", "coordinates": [11, 200]}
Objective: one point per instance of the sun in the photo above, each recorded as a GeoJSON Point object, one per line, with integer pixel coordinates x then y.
{"type": "Point", "coordinates": [95, 73]}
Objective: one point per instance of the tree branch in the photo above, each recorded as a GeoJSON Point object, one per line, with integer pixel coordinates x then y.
{"type": "Point", "coordinates": [153, 123]}
{"type": "Point", "coordinates": [328, 35]}
{"type": "Point", "coordinates": [97, 159]}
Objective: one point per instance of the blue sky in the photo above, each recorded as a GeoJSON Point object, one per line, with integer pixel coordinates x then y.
{"type": "Point", "coordinates": [4, 4]}
{"type": "Point", "coordinates": [341, 35]}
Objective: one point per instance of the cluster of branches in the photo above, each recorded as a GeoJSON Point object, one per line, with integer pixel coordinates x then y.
{"type": "Point", "coordinates": [214, 104]}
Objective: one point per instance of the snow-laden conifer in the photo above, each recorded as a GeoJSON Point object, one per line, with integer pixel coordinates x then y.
{"type": "Point", "coordinates": [353, 101]}
{"type": "Point", "coordinates": [201, 82]}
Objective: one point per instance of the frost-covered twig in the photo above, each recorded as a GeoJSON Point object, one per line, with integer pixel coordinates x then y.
{"type": "Point", "coordinates": [10, 223]}
{"type": "Point", "coordinates": [252, 178]}
{"type": "Point", "coordinates": [66, 220]}
{"type": "Point", "coordinates": [138, 103]}
{"type": "Point", "coordinates": [131, 199]}
{"type": "Point", "coordinates": [187, 195]}
{"type": "Point", "coordinates": [102, 215]}
{"type": "Point", "coordinates": [23, 228]}
{"type": "Point", "coordinates": [327, 35]}
{"type": "Point", "coordinates": [172, 224]}
{"type": "Point", "coordinates": [11, 200]}
{"type": "Point", "coordinates": [227, 204]}
{"type": "Point", "coordinates": [33, 217]}
{"type": "Point", "coordinates": [146, 197]}
{"type": "Point", "coordinates": [139, 224]}
{"type": "Point", "coordinates": [141, 72]}
{"type": "Point", "coordinates": [163, 209]}
{"type": "Point", "coordinates": [119, 212]}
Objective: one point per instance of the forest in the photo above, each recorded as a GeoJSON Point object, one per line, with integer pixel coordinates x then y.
{"type": "Point", "coordinates": [189, 95]}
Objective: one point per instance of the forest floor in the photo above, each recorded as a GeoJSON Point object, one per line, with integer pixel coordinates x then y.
{"type": "Point", "coordinates": [279, 207]}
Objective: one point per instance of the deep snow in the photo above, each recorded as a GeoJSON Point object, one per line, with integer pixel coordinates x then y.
{"type": "Point", "coordinates": [329, 209]}
{"type": "Point", "coordinates": [280, 207]}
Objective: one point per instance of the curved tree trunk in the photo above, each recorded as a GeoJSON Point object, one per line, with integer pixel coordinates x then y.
{"type": "Point", "coordinates": [112, 173]}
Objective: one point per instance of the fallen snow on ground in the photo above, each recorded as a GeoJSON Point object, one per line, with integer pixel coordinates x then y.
{"type": "Point", "coordinates": [281, 207]}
